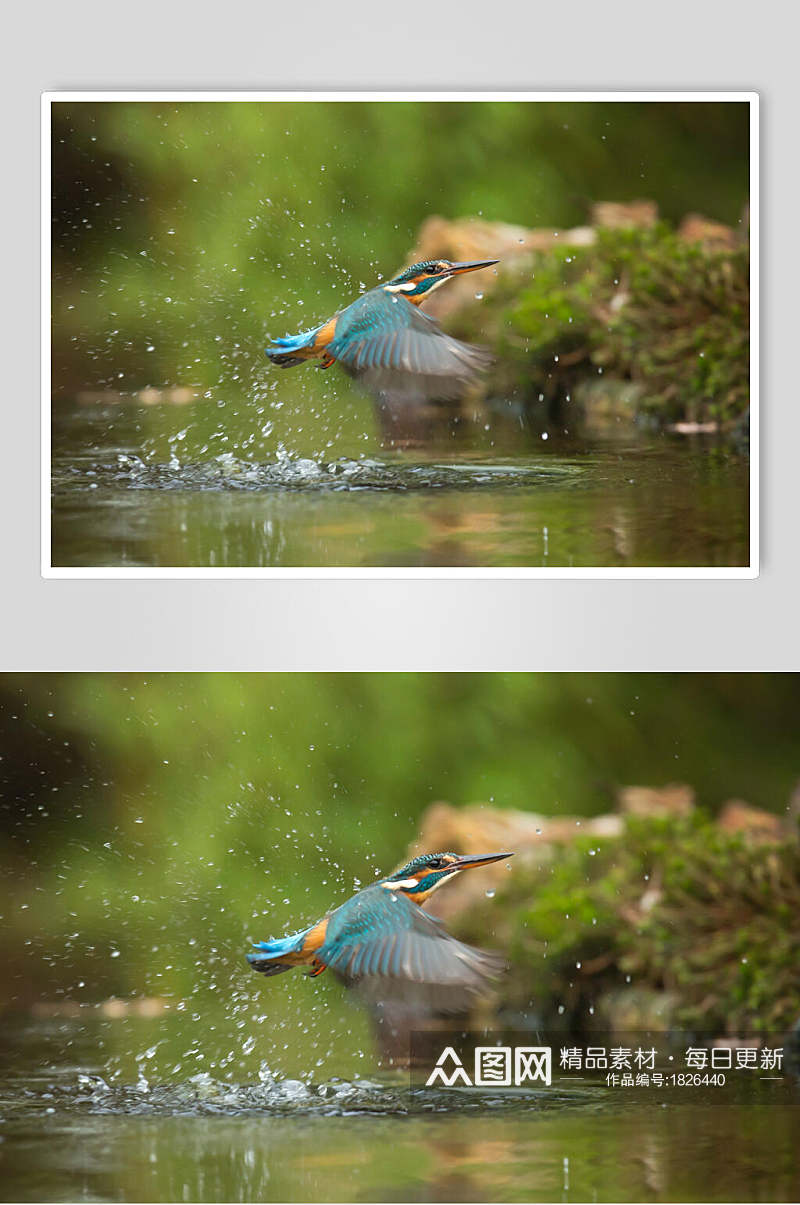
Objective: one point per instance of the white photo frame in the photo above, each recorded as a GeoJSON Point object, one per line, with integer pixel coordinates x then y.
{"type": "Point", "coordinates": [48, 570]}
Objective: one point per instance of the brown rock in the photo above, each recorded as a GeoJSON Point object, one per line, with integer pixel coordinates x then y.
{"type": "Point", "coordinates": [677, 799]}
{"type": "Point", "coordinates": [713, 235]}
{"type": "Point", "coordinates": [142, 1006]}
{"type": "Point", "coordinates": [621, 215]}
{"type": "Point", "coordinates": [177, 395]}
{"type": "Point", "coordinates": [709, 428]}
{"type": "Point", "coordinates": [481, 828]}
{"type": "Point", "coordinates": [56, 1008]}
{"type": "Point", "coordinates": [472, 238]}
{"type": "Point", "coordinates": [756, 824]}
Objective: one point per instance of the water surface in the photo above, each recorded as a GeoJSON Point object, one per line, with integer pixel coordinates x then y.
{"type": "Point", "coordinates": [72, 1130]}
{"type": "Point", "coordinates": [487, 495]}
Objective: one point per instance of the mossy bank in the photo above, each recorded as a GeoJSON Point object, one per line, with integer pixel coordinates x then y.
{"type": "Point", "coordinates": [673, 922]}
{"type": "Point", "coordinates": [641, 323]}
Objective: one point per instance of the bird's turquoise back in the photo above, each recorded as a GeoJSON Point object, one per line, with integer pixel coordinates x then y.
{"type": "Point", "coordinates": [376, 312]}
{"type": "Point", "coordinates": [360, 931]}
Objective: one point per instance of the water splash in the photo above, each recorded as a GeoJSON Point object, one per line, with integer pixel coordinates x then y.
{"type": "Point", "coordinates": [227, 472]}
{"type": "Point", "coordinates": [203, 1095]}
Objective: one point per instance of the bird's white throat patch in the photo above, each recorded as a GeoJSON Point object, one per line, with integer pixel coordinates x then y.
{"type": "Point", "coordinates": [410, 884]}
{"type": "Point", "coordinates": [410, 285]}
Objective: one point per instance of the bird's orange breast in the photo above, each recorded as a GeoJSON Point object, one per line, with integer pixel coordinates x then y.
{"type": "Point", "coordinates": [315, 937]}
{"type": "Point", "coordinates": [325, 334]}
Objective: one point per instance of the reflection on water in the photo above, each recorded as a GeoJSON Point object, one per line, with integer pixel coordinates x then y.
{"type": "Point", "coordinates": [67, 1134]}
{"type": "Point", "coordinates": [479, 495]}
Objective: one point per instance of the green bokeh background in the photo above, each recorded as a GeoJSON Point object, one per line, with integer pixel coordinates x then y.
{"type": "Point", "coordinates": [166, 818]}
{"type": "Point", "coordinates": [184, 233]}
{"type": "Point", "coordinates": [141, 813]}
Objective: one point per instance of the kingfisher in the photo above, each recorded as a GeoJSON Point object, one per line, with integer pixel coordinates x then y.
{"type": "Point", "coordinates": [387, 342]}
{"type": "Point", "coordinates": [381, 941]}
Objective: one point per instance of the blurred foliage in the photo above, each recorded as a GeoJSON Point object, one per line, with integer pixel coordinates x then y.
{"type": "Point", "coordinates": [184, 233]}
{"type": "Point", "coordinates": [673, 905]}
{"type": "Point", "coordinates": [640, 306]}
{"type": "Point", "coordinates": [150, 826]}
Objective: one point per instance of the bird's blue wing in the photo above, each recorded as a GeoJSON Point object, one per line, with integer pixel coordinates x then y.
{"type": "Point", "coordinates": [382, 941]}
{"type": "Point", "coordinates": [394, 348]}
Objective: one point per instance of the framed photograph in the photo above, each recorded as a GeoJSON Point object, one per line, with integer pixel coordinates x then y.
{"type": "Point", "coordinates": [263, 943]}
{"type": "Point", "coordinates": [402, 334]}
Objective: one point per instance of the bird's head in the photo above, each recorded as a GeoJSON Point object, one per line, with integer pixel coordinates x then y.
{"type": "Point", "coordinates": [419, 280]}
{"type": "Point", "coordinates": [422, 875]}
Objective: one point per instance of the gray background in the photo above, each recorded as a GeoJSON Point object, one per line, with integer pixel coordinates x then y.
{"type": "Point", "coordinates": [400, 624]}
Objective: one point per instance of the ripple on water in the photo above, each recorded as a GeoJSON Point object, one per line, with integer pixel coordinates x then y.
{"type": "Point", "coordinates": [226, 472]}
{"type": "Point", "coordinates": [202, 1095]}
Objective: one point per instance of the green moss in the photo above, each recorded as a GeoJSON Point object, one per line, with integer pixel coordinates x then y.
{"type": "Point", "coordinates": [640, 306]}
{"type": "Point", "coordinates": [676, 906]}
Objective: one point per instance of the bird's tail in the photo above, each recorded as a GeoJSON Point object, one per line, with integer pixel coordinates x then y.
{"type": "Point", "coordinates": [284, 352]}
{"type": "Point", "coordinates": [274, 957]}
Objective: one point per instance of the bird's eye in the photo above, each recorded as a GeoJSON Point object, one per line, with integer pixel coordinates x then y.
{"type": "Point", "coordinates": [437, 864]}
{"type": "Point", "coordinates": [432, 271]}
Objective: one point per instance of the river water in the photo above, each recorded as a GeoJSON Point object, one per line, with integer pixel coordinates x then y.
{"type": "Point", "coordinates": [488, 495]}
{"type": "Point", "coordinates": [72, 1128]}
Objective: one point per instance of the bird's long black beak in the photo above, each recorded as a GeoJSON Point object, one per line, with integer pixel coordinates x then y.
{"type": "Point", "coordinates": [470, 266]}
{"type": "Point", "coordinates": [467, 861]}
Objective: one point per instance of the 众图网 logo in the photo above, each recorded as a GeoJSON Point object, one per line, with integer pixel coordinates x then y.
{"type": "Point", "coordinates": [494, 1067]}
